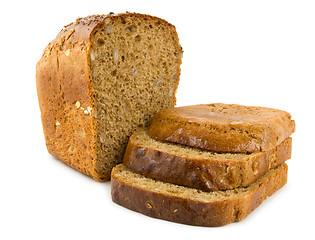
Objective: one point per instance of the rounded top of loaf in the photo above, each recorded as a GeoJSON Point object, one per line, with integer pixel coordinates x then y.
{"type": "Point", "coordinates": [80, 31]}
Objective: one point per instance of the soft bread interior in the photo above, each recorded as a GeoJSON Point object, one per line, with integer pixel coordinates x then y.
{"type": "Point", "coordinates": [126, 176]}
{"type": "Point", "coordinates": [135, 66]}
{"type": "Point", "coordinates": [141, 138]}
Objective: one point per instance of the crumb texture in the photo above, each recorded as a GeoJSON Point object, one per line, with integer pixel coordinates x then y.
{"type": "Point", "coordinates": [191, 206]}
{"type": "Point", "coordinates": [198, 168]}
{"type": "Point", "coordinates": [135, 69]}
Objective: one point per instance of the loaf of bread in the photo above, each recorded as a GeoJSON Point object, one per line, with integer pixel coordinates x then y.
{"type": "Point", "coordinates": [200, 169]}
{"type": "Point", "coordinates": [99, 80]}
{"type": "Point", "coordinates": [190, 206]}
{"type": "Point", "coordinates": [223, 127]}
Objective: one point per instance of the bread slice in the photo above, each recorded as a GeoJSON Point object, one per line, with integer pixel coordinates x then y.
{"type": "Point", "coordinates": [191, 206]}
{"type": "Point", "coordinates": [223, 127]}
{"type": "Point", "coordinates": [201, 169]}
{"type": "Point", "coordinates": [99, 80]}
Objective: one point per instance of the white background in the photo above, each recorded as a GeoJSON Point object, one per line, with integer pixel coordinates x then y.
{"type": "Point", "coordinates": [246, 52]}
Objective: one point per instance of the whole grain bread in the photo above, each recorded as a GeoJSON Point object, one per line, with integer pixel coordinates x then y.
{"type": "Point", "coordinates": [197, 168]}
{"type": "Point", "coordinates": [191, 206]}
{"type": "Point", "coordinates": [99, 80]}
{"type": "Point", "coordinates": [223, 127]}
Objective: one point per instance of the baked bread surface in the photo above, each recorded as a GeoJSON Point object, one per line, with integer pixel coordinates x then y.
{"type": "Point", "coordinates": [200, 169]}
{"type": "Point", "coordinates": [191, 206]}
{"type": "Point", "coordinates": [223, 127]}
{"type": "Point", "coordinates": [101, 78]}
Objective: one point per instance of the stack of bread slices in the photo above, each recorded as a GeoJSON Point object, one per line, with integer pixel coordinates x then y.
{"type": "Point", "coordinates": [206, 165]}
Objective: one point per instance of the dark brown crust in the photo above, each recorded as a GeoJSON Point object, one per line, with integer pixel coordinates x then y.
{"type": "Point", "coordinates": [206, 174]}
{"type": "Point", "coordinates": [215, 127]}
{"type": "Point", "coordinates": [195, 212]}
{"type": "Point", "coordinates": [63, 79]}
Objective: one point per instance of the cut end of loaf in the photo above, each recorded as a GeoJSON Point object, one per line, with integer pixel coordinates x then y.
{"type": "Point", "coordinates": [135, 66]}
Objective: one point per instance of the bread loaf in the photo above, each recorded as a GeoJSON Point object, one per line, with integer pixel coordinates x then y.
{"type": "Point", "coordinates": [191, 206]}
{"type": "Point", "coordinates": [99, 80]}
{"type": "Point", "coordinates": [200, 169]}
{"type": "Point", "coordinates": [223, 127]}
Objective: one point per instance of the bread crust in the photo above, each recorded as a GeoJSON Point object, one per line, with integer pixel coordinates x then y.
{"type": "Point", "coordinates": [180, 209]}
{"type": "Point", "coordinates": [223, 127]}
{"type": "Point", "coordinates": [65, 96]}
{"type": "Point", "coordinates": [208, 174]}
{"type": "Point", "coordinates": [62, 80]}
